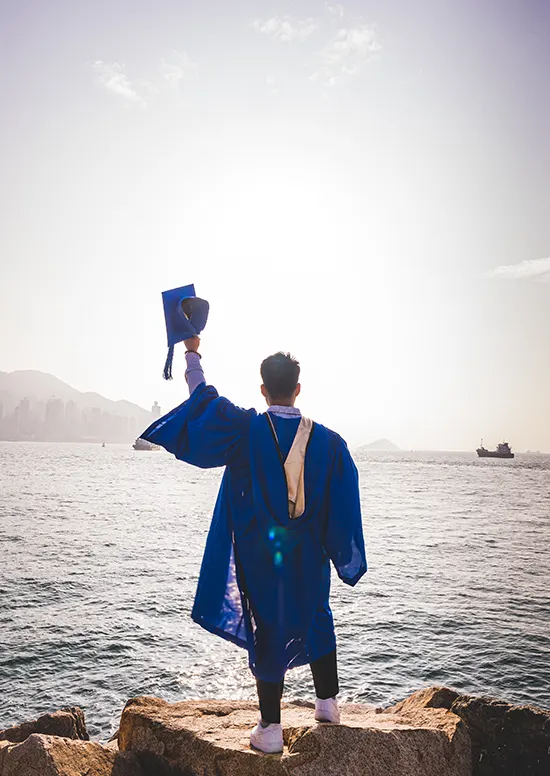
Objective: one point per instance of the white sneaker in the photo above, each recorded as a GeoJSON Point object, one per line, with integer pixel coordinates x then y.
{"type": "Point", "coordinates": [327, 711]}
{"type": "Point", "coordinates": [267, 739]}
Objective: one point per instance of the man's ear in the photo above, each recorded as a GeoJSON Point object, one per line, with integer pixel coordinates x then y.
{"type": "Point", "coordinates": [298, 389]}
{"type": "Point", "coordinates": [263, 389]}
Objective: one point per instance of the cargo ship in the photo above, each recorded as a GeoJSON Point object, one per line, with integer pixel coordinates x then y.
{"type": "Point", "coordinates": [503, 451]}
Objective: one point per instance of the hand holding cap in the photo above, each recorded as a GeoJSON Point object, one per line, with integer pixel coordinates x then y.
{"type": "Point", "coordinates": [185, 316]}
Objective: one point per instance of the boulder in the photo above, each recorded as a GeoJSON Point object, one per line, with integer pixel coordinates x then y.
{"type": "Point", "coordinates": [507, 740]}
{"type": "Point", "coordinates": [67, 723]}
{"type": "Point", "coordinates": [428, 698]}
{"type": "Point", "coordinates": [210, 738]}
{"type": "Point", "coordinates": [42, 755]}
{"type": "Point", "coordinates": [4, 746]}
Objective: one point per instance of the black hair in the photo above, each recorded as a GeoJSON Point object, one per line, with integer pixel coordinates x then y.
{"type": "Point", "coordinates": [280, 374]}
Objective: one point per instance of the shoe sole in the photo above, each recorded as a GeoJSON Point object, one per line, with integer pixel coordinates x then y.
{"type": "Point", "coordinates": [263, 751]}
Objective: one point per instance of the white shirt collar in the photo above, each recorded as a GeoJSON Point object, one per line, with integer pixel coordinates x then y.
{"type": "Point", "coordinates": [284, 412]}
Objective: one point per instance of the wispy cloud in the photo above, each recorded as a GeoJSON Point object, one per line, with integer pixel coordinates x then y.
{"type": "Point", "coordinates": [347, 53]}
{"type": "Point", "coordinates": [348, 50]}
{"type": "Point", "coordinates": [178, 68]}
{"type": "Point", "coordinates": [112, 77]}
{"type": "Point", "coordinates": [533, 269]}
{"type": "Point", "coordinates": [171, 72]}
{"type": "Point", "coordinates": [286, 28]}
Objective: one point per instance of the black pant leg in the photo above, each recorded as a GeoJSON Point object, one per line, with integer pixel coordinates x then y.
{"type": "Point", "coordinates": [269, 696]}
{"type": "Point", "coordinates": [325, 676]}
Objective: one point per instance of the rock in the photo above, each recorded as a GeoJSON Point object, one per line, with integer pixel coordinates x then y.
{"type": "Point", "coordinates": [210, 738]}
{"type": "Point", "coordinates": [429, 698]}
{"type": "Point", "coordinates": [67, 723]}
{"type": "Point", "coordinates": [4, 746]}
{"type": "Point", "coordinates": [42, 755]}
{"type": "Point", "coordinates": [434, 732]}
{"type": "Point", "coordinates": [507, 740]}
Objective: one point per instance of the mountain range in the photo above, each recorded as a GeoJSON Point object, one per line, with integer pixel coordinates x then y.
{"type": "Point", "coordinates": [37, 405]}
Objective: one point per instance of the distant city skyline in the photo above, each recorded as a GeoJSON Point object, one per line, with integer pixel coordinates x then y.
{"type": "Point", "coordinates": [30, 411]}
{"type": "Point", "coordinates": [365, 185]}
{"type": "Point", "coordinates": [54, 420]}
{"type": "Point", "coordinates": [57, 421]}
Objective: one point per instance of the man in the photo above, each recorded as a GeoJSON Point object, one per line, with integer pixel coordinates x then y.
{"type": "Point", "coordinates": [288, 504]}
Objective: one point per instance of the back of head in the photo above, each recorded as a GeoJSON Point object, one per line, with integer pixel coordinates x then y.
{"type": "Point", "coordinates": [280, 375]}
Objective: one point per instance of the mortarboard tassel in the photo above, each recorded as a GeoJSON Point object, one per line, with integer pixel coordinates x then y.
{"type": "Point", "coordinates": [168, 364]}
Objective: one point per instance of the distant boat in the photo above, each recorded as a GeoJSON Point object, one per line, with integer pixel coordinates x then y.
{"type": "Point", "coordinates": [503, 451]}
{"type": "Point", "coordinates": [143, 444]}
{"type": "Point", "coordinates": [103, 444]}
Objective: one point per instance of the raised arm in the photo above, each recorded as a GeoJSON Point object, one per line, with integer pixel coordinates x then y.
{"type": "Point", "coordinates": [194, 373]}
{"type": "Point", "coordinates": [207, 430]}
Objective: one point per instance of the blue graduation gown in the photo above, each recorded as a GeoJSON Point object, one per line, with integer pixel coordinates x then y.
{"type": "Point", "coordinates": [265, 578]}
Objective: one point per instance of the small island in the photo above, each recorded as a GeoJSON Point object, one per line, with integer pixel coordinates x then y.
{"type": "Point", "coordinates": [380, 445]}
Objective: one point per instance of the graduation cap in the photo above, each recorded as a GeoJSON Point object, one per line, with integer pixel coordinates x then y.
{"type": "Point", "coordinates": [186, 317]}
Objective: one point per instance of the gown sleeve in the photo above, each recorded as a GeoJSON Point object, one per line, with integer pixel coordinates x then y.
{"type": "Point", "coordinates": [344, 541]}
{"type": "Point", "coordinates": [207, 430]}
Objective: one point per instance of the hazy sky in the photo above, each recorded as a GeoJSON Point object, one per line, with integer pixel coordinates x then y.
{"type": "Point", "coordinates": [366, 185]}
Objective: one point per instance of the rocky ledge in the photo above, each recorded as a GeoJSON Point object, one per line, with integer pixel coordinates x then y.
{"type": "Point", "coordinates": [435, 732]}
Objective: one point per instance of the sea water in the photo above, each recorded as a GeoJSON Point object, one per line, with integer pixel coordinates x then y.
{"type": "Point", "coordinates": [100, 550]}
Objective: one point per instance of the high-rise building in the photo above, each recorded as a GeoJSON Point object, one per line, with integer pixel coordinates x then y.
{"type": "Point", "coordinates": [155, 410]}
{"type": "Point", "coordinates": [24, 408]}
{"type": "Point", "coordinates": [23, 419]}
{"type": "Point", "coordinates": [72, 421]}
{"type": "Point", "coordinates": [55, 416]}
